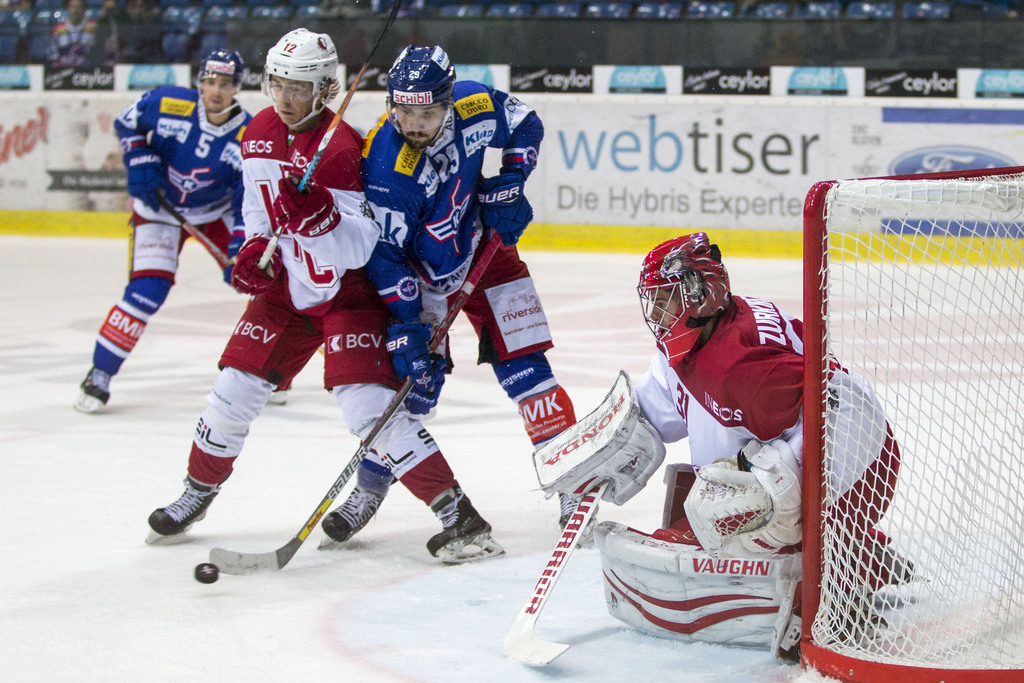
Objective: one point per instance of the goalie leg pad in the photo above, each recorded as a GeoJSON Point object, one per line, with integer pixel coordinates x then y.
{"type": "Point", "coordinates": [614, 443]}
{"type": "Point", "coordinates": [680, 592]}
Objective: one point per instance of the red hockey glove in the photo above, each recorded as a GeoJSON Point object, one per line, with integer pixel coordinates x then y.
{"type": "Point", "coordinates": [308, 213]}
{"type": "Point", "coordinates": [247, 276]}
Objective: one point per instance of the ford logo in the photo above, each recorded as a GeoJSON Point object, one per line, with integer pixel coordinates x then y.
{"type": "Point", "coordinates": [951, 158]}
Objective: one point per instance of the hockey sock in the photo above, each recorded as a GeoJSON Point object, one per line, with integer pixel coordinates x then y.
{"type": "Point", "coordinates": [126, 321]}
{"type": "Point", "coordinates": [546, 414]}
{"type": "Point", "coordinates": [374, 477]}
{"type": "Point", "coordinates": [208, 469]}
{"type": "Point", "coordinates": [430, 478]}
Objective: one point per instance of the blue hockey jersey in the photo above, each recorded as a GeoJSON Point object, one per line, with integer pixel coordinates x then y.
{"type": "Point", "coordinates": [203, 162]}
{"type": "Point", "coordinates": [425, 200]}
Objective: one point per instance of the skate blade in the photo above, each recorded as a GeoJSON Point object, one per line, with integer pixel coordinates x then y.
{"type": "Point", "coordinates": [328, 543]}
{"type": "Point", "coordinates": [153, 538]}
{"type": "Point", "coordinates": [88, 404]}
{"type": "Point", "coordinates": [473, 549]}
{"type": "Point", "coordinates": [278, 398]}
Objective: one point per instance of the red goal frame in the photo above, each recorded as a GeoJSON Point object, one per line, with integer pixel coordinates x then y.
{"type": "Point", "coordinates": [813, 656]}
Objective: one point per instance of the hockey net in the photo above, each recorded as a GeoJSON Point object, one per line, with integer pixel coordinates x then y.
{"type": "Point", "coordinates": [914, 283]}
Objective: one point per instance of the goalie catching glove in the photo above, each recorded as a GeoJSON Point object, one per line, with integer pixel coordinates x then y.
{"type": "Point", "coordinates": [748, 507]}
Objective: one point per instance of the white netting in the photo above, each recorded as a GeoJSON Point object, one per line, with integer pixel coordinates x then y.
{"type": "Point", "coordinates": [925, 299]}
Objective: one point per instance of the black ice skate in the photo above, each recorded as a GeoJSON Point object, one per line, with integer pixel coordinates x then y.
{"type": "Point", "coordinates": [351, 516]}
{"type": "Point", "coordinates": [466, 536]}
{"type": "Point", "coordinates": [174, 520]}
{"type": "Point", "coordinates": [567, 503]}
{"type": "Point", "coordinates": [95, 391]}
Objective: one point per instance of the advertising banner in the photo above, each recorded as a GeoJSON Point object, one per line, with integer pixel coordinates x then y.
{"type": "Point", "coordinates": [656, 160]}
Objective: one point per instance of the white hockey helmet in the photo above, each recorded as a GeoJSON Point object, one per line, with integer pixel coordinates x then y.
{"type": "Point", "coordinates": [302, 55]}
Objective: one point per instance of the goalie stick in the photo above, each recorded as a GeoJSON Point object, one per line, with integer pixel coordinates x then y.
{"type": "Point", "coordinates": [232, 562]}
{"type": "Point", "coordinates": [219, 256]}
{"type": "Point", "coordinates": [522, 642]}
{"type": "Point", "coordinates": [268, 252]}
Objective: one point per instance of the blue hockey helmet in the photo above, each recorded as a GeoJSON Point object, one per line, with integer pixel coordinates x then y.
{"type": "Point", "coordinates": [221, 62]}
{"type": "Point", "coordinates": [421, 76]}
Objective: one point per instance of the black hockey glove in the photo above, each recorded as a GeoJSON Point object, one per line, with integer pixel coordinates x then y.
{"type": "Point", "coordinates": [503, 205]}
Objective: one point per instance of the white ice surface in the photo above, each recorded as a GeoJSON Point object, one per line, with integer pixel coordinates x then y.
{"type": "Point", "coordinates": [83, 599]}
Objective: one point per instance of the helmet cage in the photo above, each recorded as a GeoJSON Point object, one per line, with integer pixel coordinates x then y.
{"type": "Point", "coordinates": [302, 55]}
{"type": "Point", "coordinates": [683, 285]}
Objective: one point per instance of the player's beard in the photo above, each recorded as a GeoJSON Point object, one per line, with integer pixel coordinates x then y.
{"type": "Point", "coordinates": [421, 140]}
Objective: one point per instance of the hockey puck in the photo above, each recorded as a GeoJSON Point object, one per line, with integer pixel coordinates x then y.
{"type": "Point", "coordinates": [207, 572]}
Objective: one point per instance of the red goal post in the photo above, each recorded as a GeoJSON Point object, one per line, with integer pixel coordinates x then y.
{"type": "Point", "coordinates": [914, 283]}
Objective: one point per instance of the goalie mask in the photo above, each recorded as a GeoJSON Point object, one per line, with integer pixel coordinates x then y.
{"type": "Point", "coordinates": [302, 55]}
{"type": "Point", "coordinates": [420, 86]}
{"type": "Point", "coordinates": [683, 285]}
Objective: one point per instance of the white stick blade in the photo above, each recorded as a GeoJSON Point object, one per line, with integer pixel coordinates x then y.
{"type": "Point", "coordinates": [231, 562]}
{"type": "Point", "coordinates": [524, 645]}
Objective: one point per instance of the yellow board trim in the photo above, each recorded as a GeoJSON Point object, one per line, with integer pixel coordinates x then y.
{"type": "Point", "coordinates": [65, 223]}
{"type": "Point", "coordinates": [608, 239]}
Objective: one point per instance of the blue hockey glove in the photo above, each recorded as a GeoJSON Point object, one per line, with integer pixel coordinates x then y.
{"type": "Point", "coordinates": [503, 205]}
{"type": "Point", "coordinates": [237, 240]}
{"type": "Point", "coordinates": [408, 344]}
{"type": "Point", "coordinates": [145, 175]}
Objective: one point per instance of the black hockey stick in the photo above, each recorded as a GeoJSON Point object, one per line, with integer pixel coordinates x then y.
{"type": "Point", "coordinates": [268, 252]}
{"type": "Point", "coordinates": [219, 256]}
{"type": "Point", "coordinates": [231, 562]}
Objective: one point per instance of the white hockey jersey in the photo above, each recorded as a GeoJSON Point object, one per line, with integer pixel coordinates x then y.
{"type": "Point", "coordinates": [314, 265]}
{"type": "Point", "coordinates": [745, 383]}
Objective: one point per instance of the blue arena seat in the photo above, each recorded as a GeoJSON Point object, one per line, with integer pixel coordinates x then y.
{"type": "Point", "coordinates": [869, 9]}
{"type": "Point", "coordinates": [559, 10]}
{"type": "Point", "coordinates": [271, 12]}
{"type": "Point", "coordinates": [710, 9]}
{"type": "Point", "coordinates": [608, 10]}
{"type": "Point", "coordinates": [37, 35]}
{"type": "Point", "coordinates": [509, 10]}
{"type": "Point", "coordinates": [307, 11]}
{"type": "Point", "coordinates": [926, 10]}
{"type": "Point", "coordinates": [213, 40]}
{"type": "Point", "coordinates": [818, 9]}
{"type": "Point", "coordinates": [658, 10]}
{"type": "Point", "coordinates": [10, 36]}
{"type": "Point", "coordinates": [771, 10]}
{"type": "Point", "coordinates": [461, 11]}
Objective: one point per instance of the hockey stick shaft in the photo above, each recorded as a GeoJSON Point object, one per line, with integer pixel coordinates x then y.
{"type": "Point", "coordinates": [522, 643]}
{"type": "Point", "coordinates": [219, 256]}
{"type": "Point", "coordinates": [231, 562]}
{"type": "Point", "coordinates": [268, 252]}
